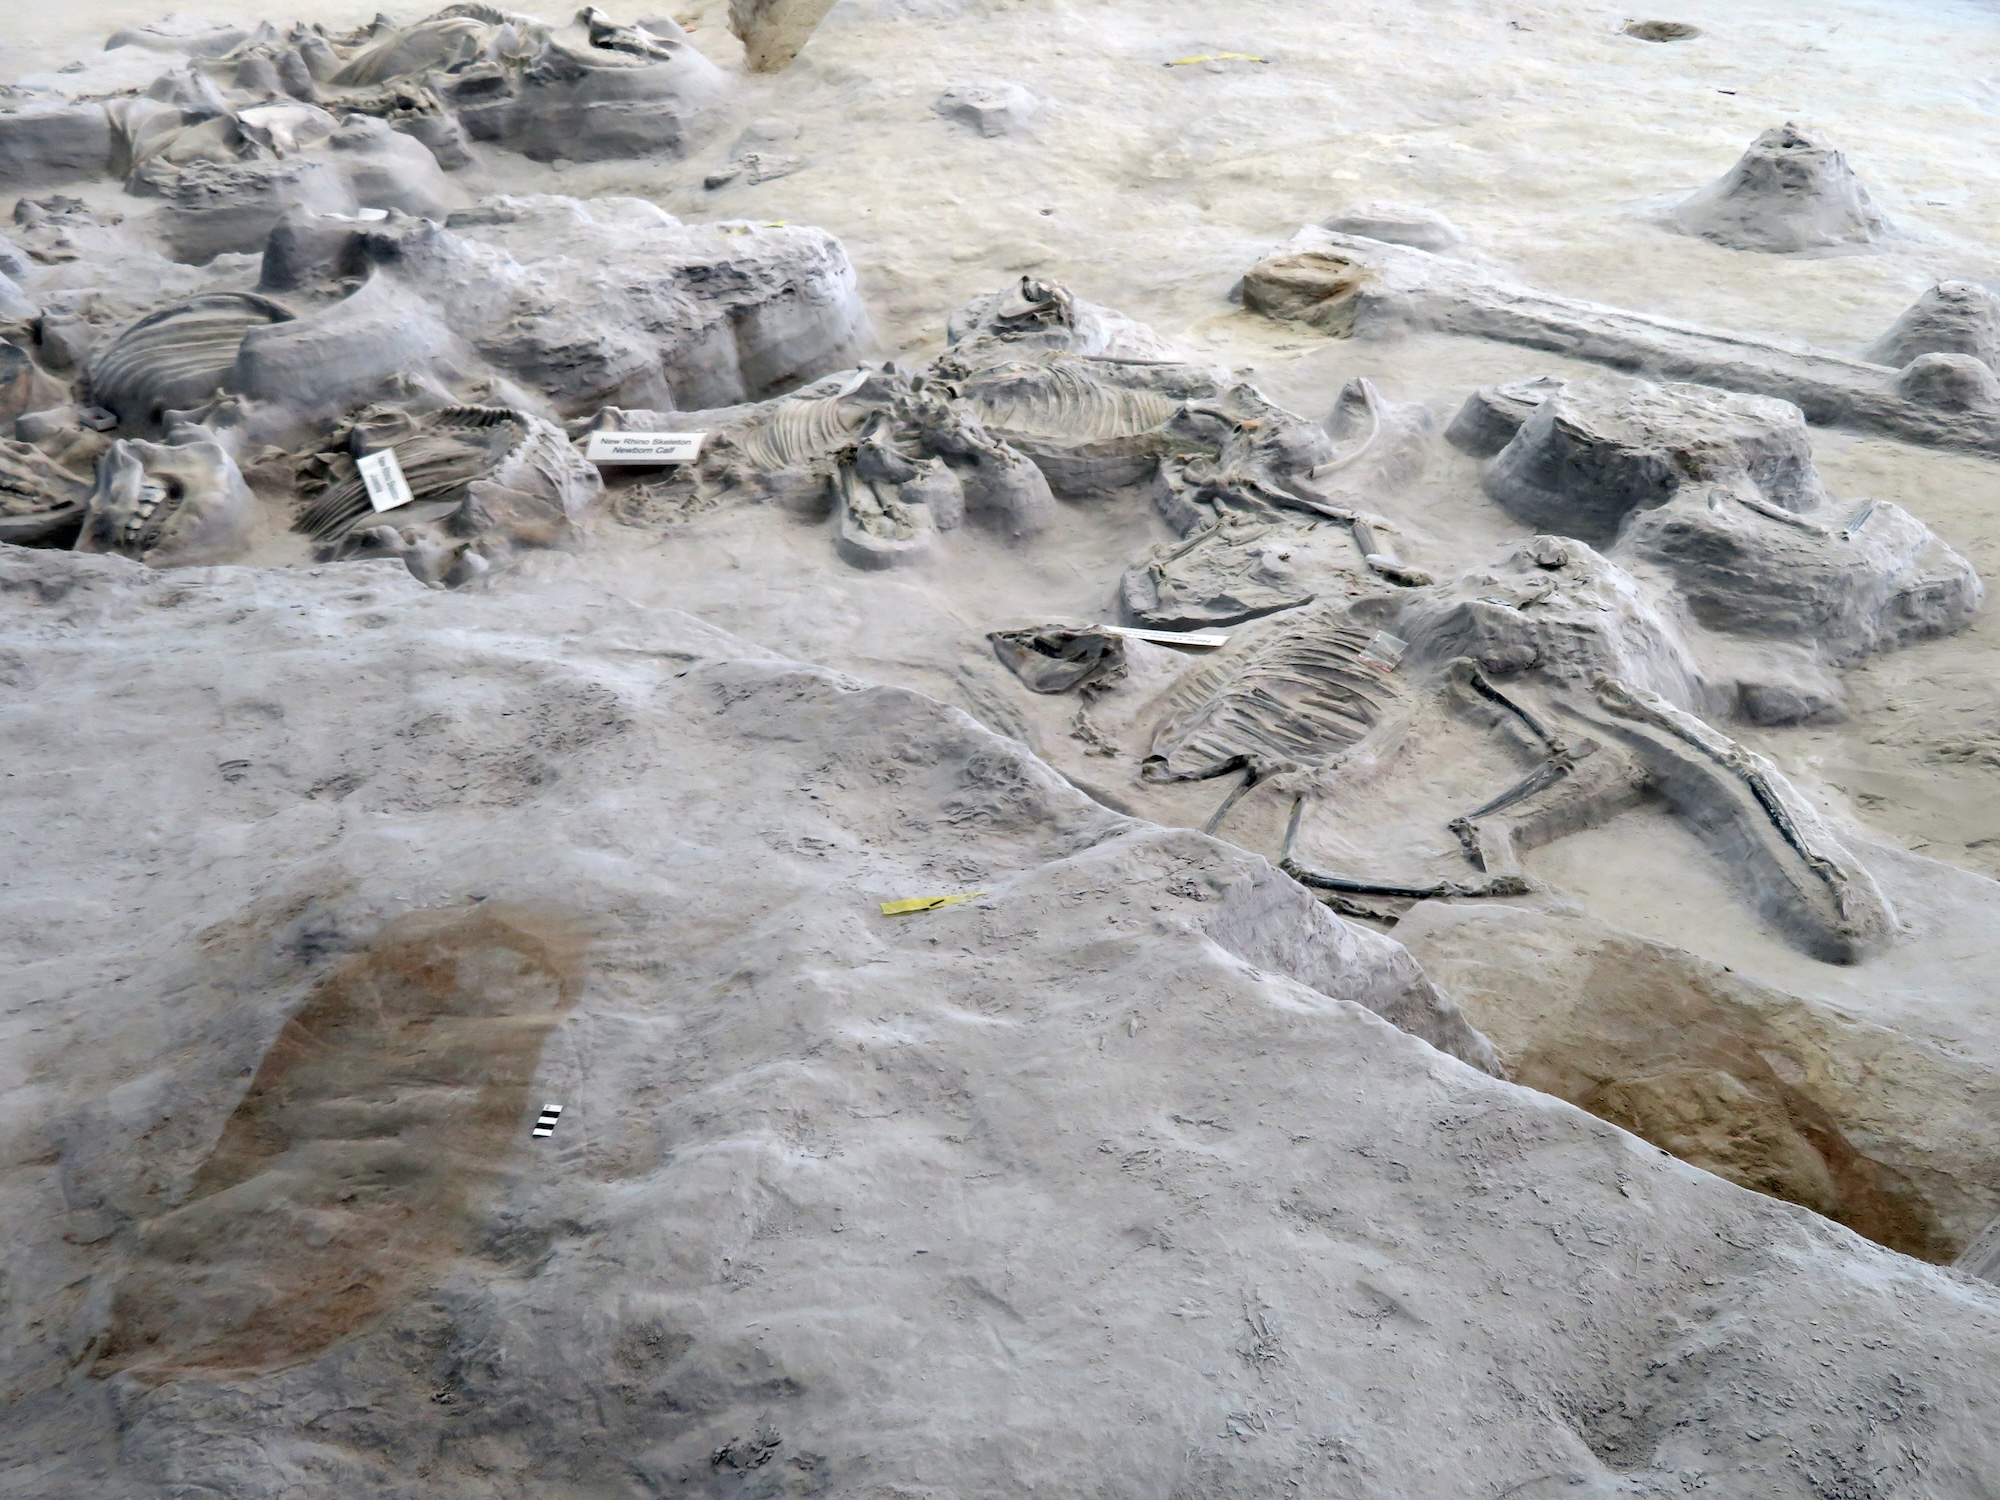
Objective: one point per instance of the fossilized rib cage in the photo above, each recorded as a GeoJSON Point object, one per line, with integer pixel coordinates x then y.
{"type": "Point", "coordinates": [1057, 400]}
{"type": "Point", "coordinates": [178, 356]}
{"type": "Point", "coordinates": [1300, 697]}
{"type": "Point", "coordinates": [452, 449]}
{"type": "Point", "coordinates": [492, 15]}
{"type": "Point", "coordinates": [797, 433]}
{"type": "Point", "coordinates": [456, 35]}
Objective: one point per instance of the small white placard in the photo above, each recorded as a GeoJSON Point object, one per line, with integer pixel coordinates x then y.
{"type": "Point", "coordinates": [644, 447]}
{"type": "Point", "coordinates": [387, 488]}
{"type": "Point", "coordinates": [1383, 651]}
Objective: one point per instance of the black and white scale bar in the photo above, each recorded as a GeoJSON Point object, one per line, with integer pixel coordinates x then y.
{"type": "Point", "coordinates": [546, 1125]}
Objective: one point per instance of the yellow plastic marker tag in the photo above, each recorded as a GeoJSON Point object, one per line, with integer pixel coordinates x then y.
{"type": "Point", "coordinates": [926, 903]}
{"type": "Point", "coordinates": [1188, 62]}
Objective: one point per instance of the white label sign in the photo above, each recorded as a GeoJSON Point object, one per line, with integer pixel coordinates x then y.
{"type": "Point", "coordinates": [387, 488]}
{"type": "Point", "coordinates": [1169, 637]}
{"type": "Point", "coordinates": [644, 447]}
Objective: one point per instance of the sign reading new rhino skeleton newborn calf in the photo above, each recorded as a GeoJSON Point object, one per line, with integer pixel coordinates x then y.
{"type": "Point", "coordinates": [644, 448]}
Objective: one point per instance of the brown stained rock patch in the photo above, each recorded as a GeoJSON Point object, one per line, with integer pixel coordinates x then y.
{"type": "Point", "coordinates": [1722, 1072]}
{"type": "Point", "coordinates": [351, 1171]}
{"type": "Point", "coordinates": [1317, 287]}
{"type": "Point", "coordinates": [1669, 1060]}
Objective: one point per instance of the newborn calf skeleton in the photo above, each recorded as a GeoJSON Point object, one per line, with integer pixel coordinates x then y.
{"type": "Point", "coordinates": [486, 482]}
{"type": "Point", "coordinates": [1039, 395]}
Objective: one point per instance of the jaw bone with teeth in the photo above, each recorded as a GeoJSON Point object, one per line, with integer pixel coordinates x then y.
{"type": "Point", "coordinates": [168, 504]}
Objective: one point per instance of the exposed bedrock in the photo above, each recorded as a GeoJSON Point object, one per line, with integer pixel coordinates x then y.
{"type": "Point", "coordinates": [828, 1186]}
{"type": "Point", "coordinates": [1790, 1095]}
{"type": "Point", "coordinates": [991, 107]}
{"type": "Point", "coordinates": [627, 91]}
{"type": "Point", "coordinates": [24, 385]}
{"type": "Point", "coordinates": [16, 307]}
{"type": "Point", "coordinates": [1345, 285]}
{"type": "Point", "coordinates": [228, 200]}
{"type": "Point", "coordinates": [1588, 456]}
{"type": "Point", "coordinates": [1398, 224]}
{"type": "Point", "coordinates": [49, 140]}
{"type": "Point", "coordinates": [1488, 418]}
{"type": "Point", "coordinates": [1865, 577]}
{"type": "Point", "coordinates": [1271, 923]}
{"type": "Point", "coordinates": [579, 304]}
{"type": "Point", "coordinates": [1790, 191]}
{"type": "Point", "coordinates": [1718, 491]}
{"type": "Point", "coordinates": [1950, 382]}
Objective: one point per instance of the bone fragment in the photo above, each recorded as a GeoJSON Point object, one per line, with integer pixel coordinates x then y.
{"type": "Point", "coordinates": [1346, 285]}
{"type": "Point", "coordinates": [1803, 878]}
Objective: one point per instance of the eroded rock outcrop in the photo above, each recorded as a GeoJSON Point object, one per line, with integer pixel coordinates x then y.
{"type": "Point", "coordinates": [858, 1219]}
{"type": "Point", "coordinates": [774, 31]}
{"type": "Point", "coordinates": [1800, 1099]}
{"type": "Point", "coordinates": [1790, 191]}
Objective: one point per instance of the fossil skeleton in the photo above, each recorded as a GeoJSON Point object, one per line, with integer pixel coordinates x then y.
{"type": "Point", "coordinates": [485, 482]}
